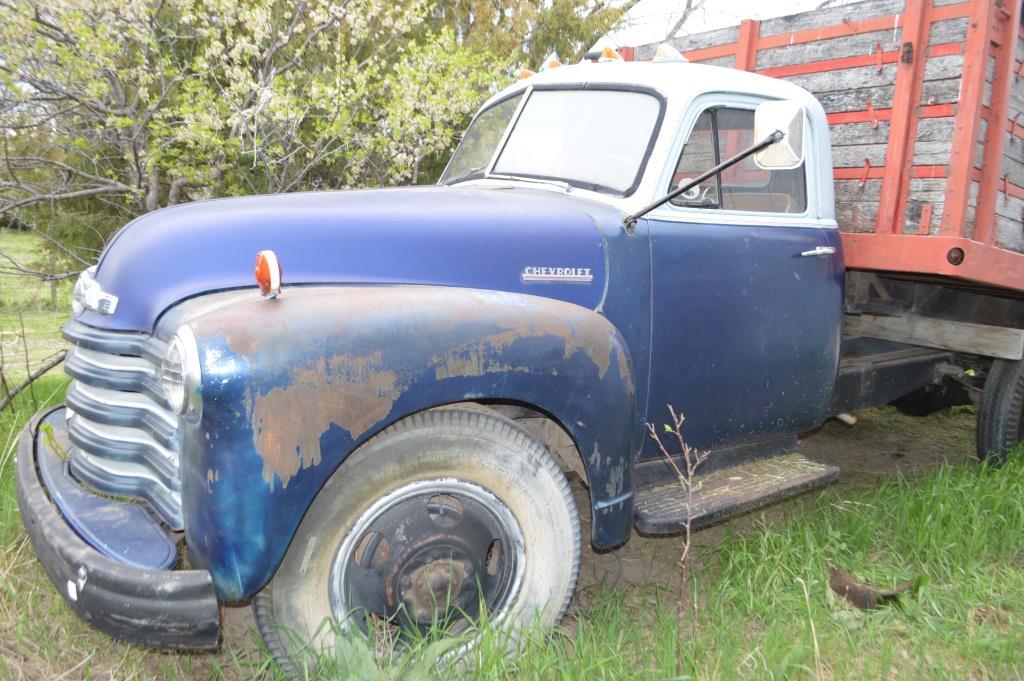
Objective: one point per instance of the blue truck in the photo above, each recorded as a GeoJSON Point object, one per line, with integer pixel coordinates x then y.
{"type": "Point", "coordinates": [389, 435]}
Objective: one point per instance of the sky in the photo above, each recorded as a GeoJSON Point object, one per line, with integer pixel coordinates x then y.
{"type": "Point", "coordinates": [649, 21]}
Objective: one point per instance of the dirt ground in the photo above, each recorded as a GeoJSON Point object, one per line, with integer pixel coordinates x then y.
{"type": "Point", "coordinates": [882, 442]}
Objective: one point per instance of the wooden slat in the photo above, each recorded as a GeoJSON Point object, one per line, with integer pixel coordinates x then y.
{"type": "Point", "coordinates": [903, 124]}
{"type": "Point", "coordinates": [853, 45]}
{"type": "Point", "coordinates": [980, 339]}
{"type": "Point", "coordinates": [995, 137]}
{"type": "Point", "coordinates": [965, 131]}
{"type": "Point", "coordinates": [837, 64]}
{"type": "Point", "coordinates": [879, 172]}
{"type": "Point", "coordinates": [847, 28]}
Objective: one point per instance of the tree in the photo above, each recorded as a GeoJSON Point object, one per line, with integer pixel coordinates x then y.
{"type": "Point", "coordinates": [526, 31]}
{"type": "Point", "coordinates": [115, 108]}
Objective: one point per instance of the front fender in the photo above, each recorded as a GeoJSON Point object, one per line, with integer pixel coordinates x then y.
{"type": "Point", "coordinates": [290, 387]}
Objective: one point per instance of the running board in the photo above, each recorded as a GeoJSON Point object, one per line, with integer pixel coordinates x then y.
{"type": "Point", "coordinates": [661, 508]}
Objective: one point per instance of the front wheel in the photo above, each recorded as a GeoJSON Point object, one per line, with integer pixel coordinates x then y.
{"type": "Point", "coordinates": [447, 512]}
{"type": "Point", "coordinates": [1001, 415]}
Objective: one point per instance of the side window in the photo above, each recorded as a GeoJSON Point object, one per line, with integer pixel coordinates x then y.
{"type": "Point", "coordinates": [723, 132]}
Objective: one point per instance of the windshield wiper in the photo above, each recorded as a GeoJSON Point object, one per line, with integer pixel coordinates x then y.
{"type": "Point", "coordinates": [536, 180]}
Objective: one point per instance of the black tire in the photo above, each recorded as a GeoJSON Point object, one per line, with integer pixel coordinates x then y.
{"type": "Point", "coordinates": [450, 453]}
{"type": "Point", "coordinates": [1001, 415]}
{"type": "Point", "coordinates": [932, 398]}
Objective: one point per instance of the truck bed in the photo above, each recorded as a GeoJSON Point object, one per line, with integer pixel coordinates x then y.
{"type": "Point", "coordinates": [925, 101]}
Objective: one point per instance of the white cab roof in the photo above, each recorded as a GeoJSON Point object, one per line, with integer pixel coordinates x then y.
{"type": "Point", "coordinates": [672, 79]}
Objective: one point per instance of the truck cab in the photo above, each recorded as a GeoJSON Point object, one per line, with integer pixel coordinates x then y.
{"type": "Point", "coordinates": [386, 432]}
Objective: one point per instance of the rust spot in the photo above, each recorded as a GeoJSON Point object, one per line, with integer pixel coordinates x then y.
{"type": "Point", "coordinates": [471, 362]}
{"type": "Point", "coordinates": [574, 330]}
{"type": "Point", "coordinates": [351, 392]}
{"type": "Point", "coordinates": [235, 325]}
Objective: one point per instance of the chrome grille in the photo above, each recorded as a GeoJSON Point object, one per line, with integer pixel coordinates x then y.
{"type": "Point", "coordinates": [125, 439]}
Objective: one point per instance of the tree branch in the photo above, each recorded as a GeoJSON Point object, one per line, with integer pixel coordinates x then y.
{"type": "Point", "coordinates": [32, 378]}
{"type": "Point", "coordinates": [16, 268]}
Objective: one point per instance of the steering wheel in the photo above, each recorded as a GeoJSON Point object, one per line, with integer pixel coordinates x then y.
{"type": "Point", "coordinates": [695, 194]}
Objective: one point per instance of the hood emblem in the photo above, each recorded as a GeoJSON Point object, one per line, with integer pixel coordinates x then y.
{"type": "Point", "coordinates": [579, 275]}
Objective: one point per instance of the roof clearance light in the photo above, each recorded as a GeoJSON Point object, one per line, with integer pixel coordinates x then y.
{"type": "Point", "coordinates": [551, 62]}
{"type": "Point", "coordinates": [609, 54]}
{"type": "Point", "coordinates": [667, 53]}
{"type": "Point", "coordinates": [268, 274]}
{"type": "Point", "coordinates": [526, 73]}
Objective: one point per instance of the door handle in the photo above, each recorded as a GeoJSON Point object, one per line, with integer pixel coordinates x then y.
{"type": "Point", "coordinates": [820, 250]}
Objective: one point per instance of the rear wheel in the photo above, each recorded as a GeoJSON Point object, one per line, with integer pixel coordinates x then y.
{"type": "Point", "coordinates": [1001, 415]}
{"type": "Point", "coordinates": [445, 513]}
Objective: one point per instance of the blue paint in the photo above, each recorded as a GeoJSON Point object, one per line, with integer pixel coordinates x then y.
{"type": "Point", "coordinates": [454, 236]}
{"type": "Point", "coordinates": [746, 332]}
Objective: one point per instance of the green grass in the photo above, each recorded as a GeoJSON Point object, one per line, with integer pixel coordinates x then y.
{"type": "Point", "coordinates": [764, 606]}
{"type": "Point", "coordinates": [25, 293]}
{"type": "Point", "coordinates": [764, 609]}
{"type": "Point", "coordinates": [30, 318]}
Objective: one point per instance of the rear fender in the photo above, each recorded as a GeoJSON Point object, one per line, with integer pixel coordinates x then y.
{"type": "Point", "coordinates": [290, 387]}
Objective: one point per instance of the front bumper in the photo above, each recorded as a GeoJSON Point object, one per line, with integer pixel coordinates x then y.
{"type": "Point", "coordinates": [161, 608]}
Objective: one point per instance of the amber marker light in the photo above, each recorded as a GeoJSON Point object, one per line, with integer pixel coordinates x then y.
{"type": "Point", "coordinates": [526, 73]}
{"type": "Point", "coordinates": [551, 62]}
{"type": "Point", "coordinates": [609, 54]}
{"type": "Point", "coordinates": [268, 274]}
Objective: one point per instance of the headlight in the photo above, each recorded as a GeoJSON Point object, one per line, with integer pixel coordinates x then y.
{"type": "Point", "coordinates": [89, 295]}
{"type": "Point", "coordinates": [180, 373]}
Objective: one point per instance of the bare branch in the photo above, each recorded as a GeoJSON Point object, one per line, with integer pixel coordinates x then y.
{"type": "Point", "coordinates": [177, 190]}
{"type": "Point", "coordinates": [687, 9]}
{"type": "Point", "coordinates": [32, 378]}
{"type": "Point", "coordinates": [25, 162]}
{"type": "Point", "coordinates": [692, 459]}
{"type": "Point", "coordinates": [61, 196]}
{"type": "Point", "coordinates": [67, 251]}
{"type": "Point", "coordinates": [18, 269]}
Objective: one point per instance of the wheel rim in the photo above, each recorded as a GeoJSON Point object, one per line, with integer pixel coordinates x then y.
{"type": "Point", "coordinates": [432, 551]}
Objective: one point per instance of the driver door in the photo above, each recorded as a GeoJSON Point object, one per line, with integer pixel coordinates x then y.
{"type": "Point", "coordinates": [747, 294]}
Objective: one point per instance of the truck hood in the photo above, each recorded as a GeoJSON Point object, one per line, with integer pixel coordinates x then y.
{"type": "Point", "coordinates": [484, 238]}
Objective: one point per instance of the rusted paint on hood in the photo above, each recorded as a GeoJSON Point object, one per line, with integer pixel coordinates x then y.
{"type": "Point", "coordinates": [484, 356]}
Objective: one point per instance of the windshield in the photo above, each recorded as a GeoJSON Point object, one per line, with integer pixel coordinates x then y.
{"type": "Point", "coordinates": [593, 139]}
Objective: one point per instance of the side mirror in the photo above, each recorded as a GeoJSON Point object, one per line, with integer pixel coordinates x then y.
{"type": "Point", "coordinates": [787, 116]}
